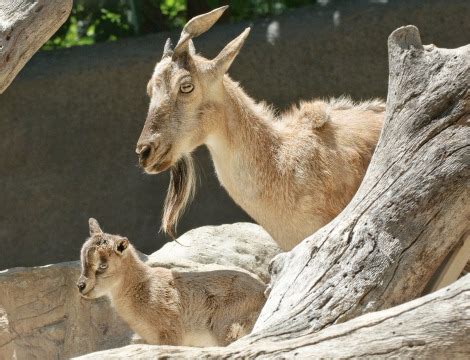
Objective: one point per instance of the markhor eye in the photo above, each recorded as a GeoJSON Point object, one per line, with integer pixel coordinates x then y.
{"type": "Point", "coordinates": [103, 266]}
{"type": "Point", "coordinates": [186, 88]}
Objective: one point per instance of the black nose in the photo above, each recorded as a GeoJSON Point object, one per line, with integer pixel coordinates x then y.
{"type": "Point", "coordinates": [81, 286]}
{"type": "Point", "coordinates": [144, 152]}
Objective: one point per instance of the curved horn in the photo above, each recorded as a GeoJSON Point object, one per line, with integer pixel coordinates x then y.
{"type": "Point", "coordinates": [167, 50]}
{"type": "Point", "coordinates": [196, 26]}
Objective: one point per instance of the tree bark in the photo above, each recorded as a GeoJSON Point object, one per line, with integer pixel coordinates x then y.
{"type": "Point", "coordinates": [25, 25]}
{"type": "Point", "coordinates": [410, 212]}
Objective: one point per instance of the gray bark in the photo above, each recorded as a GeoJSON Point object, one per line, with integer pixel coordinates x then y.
{"type": "Point", "coordinates": [25, 25]}
{"type": "Point", "coordinates": [409, 213]}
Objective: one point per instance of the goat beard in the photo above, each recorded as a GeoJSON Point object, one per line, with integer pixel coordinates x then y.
{"type": "Point", "coordinates": [180, 193]}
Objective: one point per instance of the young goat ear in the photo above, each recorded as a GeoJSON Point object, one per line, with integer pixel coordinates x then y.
{"type": "Point", "coordinates": [94, 227]}
{"type": "Point", "coordinates": [121, 245]}
{"type": "Point", "coordinates": [230, 51]}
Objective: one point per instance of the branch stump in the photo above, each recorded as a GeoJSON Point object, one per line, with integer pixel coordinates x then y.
{"type": "Point", "coordinates": [25, 25]}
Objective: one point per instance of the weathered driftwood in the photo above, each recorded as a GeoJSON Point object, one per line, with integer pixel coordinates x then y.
{"type": "Point", "coordinates": [410, 211]}
{"type": "Point", "coordinates": [25, 25]}
{"type": "Point", "coordinates": [408, 215]}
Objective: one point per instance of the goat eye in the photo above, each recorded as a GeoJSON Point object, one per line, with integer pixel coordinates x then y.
{"type": "Point", "coordinates": [103, 266]}
{"type": "Point", "coordinates": [186, 88]}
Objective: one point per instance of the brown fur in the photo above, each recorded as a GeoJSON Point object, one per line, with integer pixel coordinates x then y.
{"type": "Point", "coordinates": [292, 173]}
{"type": "Point", "coordinates": [199, 308]}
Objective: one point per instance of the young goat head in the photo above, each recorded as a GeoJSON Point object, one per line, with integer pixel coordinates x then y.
{"type": "Point", "coordinates": [182, 84]}
{"type": "Point", "coordinates": [101, 258]}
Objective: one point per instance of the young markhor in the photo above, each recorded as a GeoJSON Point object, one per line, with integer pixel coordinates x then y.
{"type": "Point", "coordinates": [166, 307]}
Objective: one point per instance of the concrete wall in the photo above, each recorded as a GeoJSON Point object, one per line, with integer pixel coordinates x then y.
{"type": "Point", "coordinates": [70, 121]}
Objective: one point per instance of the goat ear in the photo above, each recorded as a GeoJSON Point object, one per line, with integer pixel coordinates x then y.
{"type": "Point", "coordinates": [94, 227]}
{"type": "Point", "coordinates": [121, 245]}
{"type": "Point", "coordinates": [229, 52]}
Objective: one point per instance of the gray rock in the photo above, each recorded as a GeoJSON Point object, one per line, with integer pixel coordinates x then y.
{"type": "Point", "coordinates": [42, 315]}
{"type": "Point", "coordinates": [244, 245]}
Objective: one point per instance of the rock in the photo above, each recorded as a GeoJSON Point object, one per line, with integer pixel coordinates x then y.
{"type": "Point", "coordinates": [42, 315]}
{"type": "Point", "coordinates": [244, 245]}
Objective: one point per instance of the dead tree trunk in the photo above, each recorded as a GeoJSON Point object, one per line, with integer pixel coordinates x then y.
{"type": "Point", "coordinates": [409, 213]}
{"type": "Point", "coordinates": [25, 25]}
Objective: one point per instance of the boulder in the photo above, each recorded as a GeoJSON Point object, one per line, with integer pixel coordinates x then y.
{"type": "Point", "coordinates": [42, 315]}
{"type": "Point", "coordinates": [245, 245]}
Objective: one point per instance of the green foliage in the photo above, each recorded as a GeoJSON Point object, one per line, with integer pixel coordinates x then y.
{"type": "Point", "coordinates": [93, 21]}
{"type": "Point", "coordinates": [174, 11]}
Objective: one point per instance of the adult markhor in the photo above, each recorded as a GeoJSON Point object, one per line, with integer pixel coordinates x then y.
{"type": "Point", "coordinates": [292, 173]}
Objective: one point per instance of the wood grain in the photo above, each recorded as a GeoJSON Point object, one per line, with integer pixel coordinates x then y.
{"type": "Point", "coordinates": [25, 25]}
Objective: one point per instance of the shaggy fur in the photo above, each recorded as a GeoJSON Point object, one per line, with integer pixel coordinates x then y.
{"type": "Point", "coordinates": [292, 172]}
{"type": "Point", "coordinates": [180, 192]}
{"type": "Point", "coordinates": [206, 307]}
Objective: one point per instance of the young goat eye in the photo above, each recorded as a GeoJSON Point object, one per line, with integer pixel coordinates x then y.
{"type": "Point", "coordinates": [103, 266]}
{"type": "Point", "coordinates": [186, 88]}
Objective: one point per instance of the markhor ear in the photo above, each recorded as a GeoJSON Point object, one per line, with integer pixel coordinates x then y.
{"type": "Point", "coordinates": [121, 245]}
{"type": "Point", "coordinates": [229, 52]}
{"type": "Point", "coordinates": [94, 227]}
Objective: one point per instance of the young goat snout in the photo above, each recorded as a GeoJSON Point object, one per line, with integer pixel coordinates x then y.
{"type": "Point", "coordinates": [166, 307]}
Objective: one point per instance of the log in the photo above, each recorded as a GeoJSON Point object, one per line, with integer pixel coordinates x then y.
{"type": "Point", "coordinates": [434, 326]}
{"type": "Point", "coordinates": [25, 25]}
{"type": "Point", "coordinates": [410, 212]}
